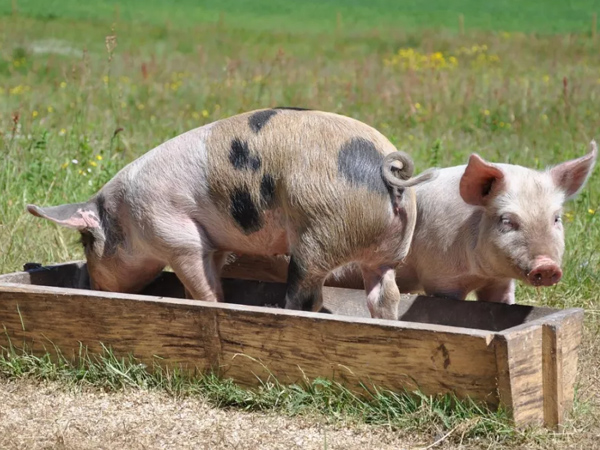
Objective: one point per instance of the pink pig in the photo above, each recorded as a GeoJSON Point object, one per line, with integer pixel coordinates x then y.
{"type": "Point", "coordinates": [483, 225]}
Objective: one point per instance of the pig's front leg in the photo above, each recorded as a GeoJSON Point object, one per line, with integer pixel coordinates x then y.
{"type": "Point", "coordinates": [383, 295]}
{"type": "Point", "coordinates": [218, 259]}
{"type": "Point", "coordinates": [193, 259]}
{"type": "Point", "coordinates": [199, 276]}
{"type": "Point", "coordinates": [498, 292]}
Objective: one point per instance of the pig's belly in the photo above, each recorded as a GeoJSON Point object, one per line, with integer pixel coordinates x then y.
{"type": "Point", "coordinates": [271, 239]}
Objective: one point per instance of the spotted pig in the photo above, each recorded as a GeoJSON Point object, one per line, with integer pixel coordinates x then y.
{"type": "Point", "coordinates": [323, 188]}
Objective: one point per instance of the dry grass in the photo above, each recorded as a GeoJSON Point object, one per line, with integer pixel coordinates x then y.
{"type": "Point", "coordinates": [46, 415]}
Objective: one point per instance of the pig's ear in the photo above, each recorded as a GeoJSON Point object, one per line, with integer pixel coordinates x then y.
{"type": "Point", "coordinates": [480, 180]}
{"type": "Point", "coordinates": [81, 216]}
{"type": "Point", "coordinates": [570, 176]}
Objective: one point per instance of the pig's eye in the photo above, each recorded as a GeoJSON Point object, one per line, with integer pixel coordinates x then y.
{"type": "Point", "coordinates": [507, 223]}
{"type": "Point", "coordinates": [557, 219]}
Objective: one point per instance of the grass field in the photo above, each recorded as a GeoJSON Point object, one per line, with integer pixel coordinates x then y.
{"type": "Point", "coordinates": [318, 15]}
{"type": "Point", "coordinates": [84, 91]}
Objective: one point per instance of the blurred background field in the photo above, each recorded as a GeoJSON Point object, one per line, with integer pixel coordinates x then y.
{"type": "Point", "coordinates": [322, 15]}
{"type": "Point", "coordinates": [86, 87]}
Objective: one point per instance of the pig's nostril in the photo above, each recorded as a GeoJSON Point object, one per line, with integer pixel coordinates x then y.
{"type": "Point", "coordinates": [545, 275]}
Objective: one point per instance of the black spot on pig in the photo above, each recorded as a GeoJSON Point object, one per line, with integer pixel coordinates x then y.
{"type": "Point", "coordinates": [244, 211]}
{"type": "Point", "coordinates": [240, 158]}
{"type": "Point", "coordinates": [292, 108]}
{"type": "Point", "coordinates": [113, 234]}
{"type": "Point", "coordinates": [267, 190]}
{"type": "Point", "coordinates": [360, 163]}
{"type": "Point", "coordinates": [259, 119]}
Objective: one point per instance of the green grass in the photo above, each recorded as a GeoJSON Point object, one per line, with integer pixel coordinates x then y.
{"type": "Point", "coordinates": [512, 97]}
{"type": "Point", "coordinates": [313, 15]}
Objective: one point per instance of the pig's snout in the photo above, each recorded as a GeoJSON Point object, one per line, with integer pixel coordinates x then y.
{"type": "Point", "coordinates": [544, 272]}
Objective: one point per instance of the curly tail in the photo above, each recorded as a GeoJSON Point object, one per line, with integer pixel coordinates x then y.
{"type": "Point", "coordinates": [397, 170]}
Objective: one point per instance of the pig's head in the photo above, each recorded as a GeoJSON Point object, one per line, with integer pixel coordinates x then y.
{"type": "Point", "coordinates": [521, 232]}
{"type": "Point", "coordinates": [101, 237]}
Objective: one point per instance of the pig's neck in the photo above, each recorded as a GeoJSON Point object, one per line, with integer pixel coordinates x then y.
{"type": "Point", "coordinates": [447, 231]}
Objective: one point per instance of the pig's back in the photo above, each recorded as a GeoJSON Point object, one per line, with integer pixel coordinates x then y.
{"type": "Point", "coordinates": [310, 164]}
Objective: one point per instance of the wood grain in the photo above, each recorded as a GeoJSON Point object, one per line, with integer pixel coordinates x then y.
{"type": "Point", "coordinates": [342, 301]}
{"type": "Point", "coordinates": [245, 342]}
{"type": "Point", "coordinates": [561, 340]}
{"type": "Point", "coordinates": [520, 356]}
{"type": "Point", "coordinates": [519, 366]}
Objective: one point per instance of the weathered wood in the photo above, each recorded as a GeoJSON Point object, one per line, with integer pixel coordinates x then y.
{"type": "Point", "coordinates": [248, 267]}
{"type": "Point", "coordinates": [274, 269]}
{"type": "Point", "coordinates": [245, 342]}
{"type": "Point", "coordinates": [520, 382]}
{"type": "Point", "coordinates": [520, 356]}
{"type": "Point", "coordinates": [561, 340]}
{"type": "Point", "coordinates": [342, 301]}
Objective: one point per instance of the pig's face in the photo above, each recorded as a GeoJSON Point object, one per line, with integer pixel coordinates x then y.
{"type": "Point", "coordinates": [521, 232]}
{"type": "Point", "coordinates": [109, 266]}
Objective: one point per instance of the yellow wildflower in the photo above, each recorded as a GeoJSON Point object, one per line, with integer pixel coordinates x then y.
{"type": "Point", "coordinates": [195, 115]}
{"type": "Point", "coordinates": [105, 79]}
{"type": "Point", "coordinates": [50, 109]}
{"type": "Point", "coordinates": [546, 79]}
{"type": "Point", "coordinates": [591, 211]}
{"type": "Point", "coordinates": [140, 106]}
{"type": "Point", "coordinates": [99, 157]}
{"type": "Point", "coordinates": [417, 105]}
{"type": "Point", "coordinates": [34, 114]}
{"type": "Point", "coordinates": [486, 112]}
{"type": "Point", "coordinates": [64, 166]}
{"type": "Point", "coordinates": [204, 113]}
{"type": "Point", "coordinates": [63, 85]}
{"type": "Point", "coordinates": [62, 132]}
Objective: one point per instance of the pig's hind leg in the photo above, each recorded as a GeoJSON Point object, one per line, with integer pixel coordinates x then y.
{"type": "Point", "coordinates": [383, 295]}
{"type": "Point", "coordinates": [304, 285]}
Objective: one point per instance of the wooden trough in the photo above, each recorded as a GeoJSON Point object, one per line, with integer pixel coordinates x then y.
{"type": "Point", "coordinates": [521, 357]}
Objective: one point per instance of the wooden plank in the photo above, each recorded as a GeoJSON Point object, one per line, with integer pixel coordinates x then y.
{"type": "Point", "coordinates": [44, 317]}
{"type": "Point", "coordinates": [561, 340]}
{"type": "Point", "coordinates": [274, 269]}
{"type": "Point", "coordinates": [350, 351]}
{"type": "Point", "coordinates": [519, 369]}
{"type": "Point", "coordinates": [247, 267]}
{"type": "Point", "coordinates": [349, 302]}
{"type": "Point", "coordinates": [68, 275]}
{"type": "Point", "coordinates": [245, 342]}
{"type": "Point", "coordinates": [530, 367]}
